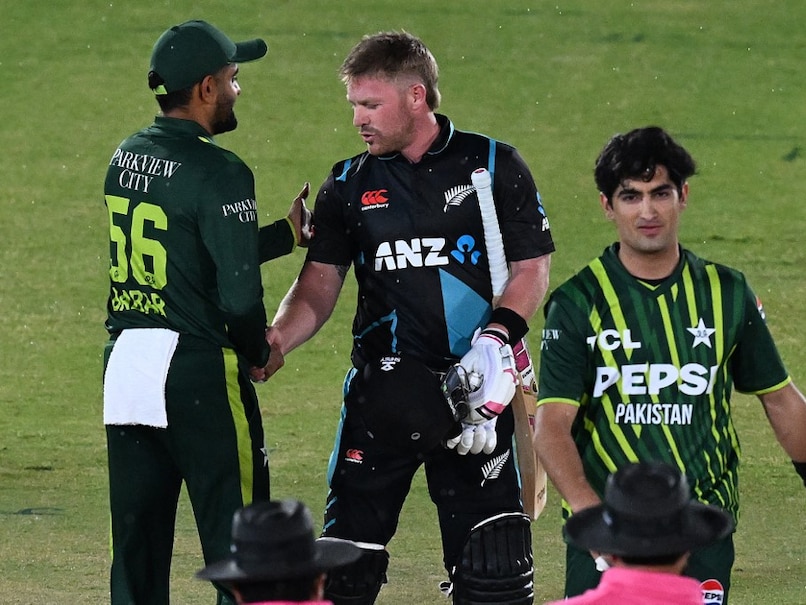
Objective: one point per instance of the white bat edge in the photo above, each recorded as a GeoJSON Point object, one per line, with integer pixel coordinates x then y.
{"type": "Point", "coordinates": [535, 495]}
{"type": "Point", "coordinates": [499, 273]}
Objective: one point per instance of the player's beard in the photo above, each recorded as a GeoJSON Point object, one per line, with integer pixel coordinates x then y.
{"type": "Point", "coordinates": [224, 119]}
{"type": "Point", "coordinates": [397, 140]}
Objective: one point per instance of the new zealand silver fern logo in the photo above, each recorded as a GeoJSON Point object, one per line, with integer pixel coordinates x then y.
{"type": "Point", "coordinates": [456, 195]}
{"type": "Point", "coordinates": [492, 469]}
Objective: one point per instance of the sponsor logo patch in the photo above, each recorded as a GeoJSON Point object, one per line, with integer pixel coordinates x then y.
{"type": "Point", "coordinates": [389, 362]}
{"type": "Point", "coordinates": [355, 456]}
{"type": "Point", "coordinates": [465, 250]}
{"type": "Point", "coordinates": [712, 592]}
{"type": "Point", "coordinates": [418, 252]}
{"type": "Point", "coordinates": [760, 308]}
{"type": "Point", "coordinates": [548, 337]}
{"type": "Point", "coordinates": [374, 199]}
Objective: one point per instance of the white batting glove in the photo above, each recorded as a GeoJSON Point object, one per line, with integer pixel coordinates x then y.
{"type": "Point", "coordinates": [475, 438]}
{"type": "Point", "coordinates": [491, 361]}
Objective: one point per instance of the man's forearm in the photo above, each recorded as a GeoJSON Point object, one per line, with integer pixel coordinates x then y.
{"type": "Point", "coordinates": [558, 453]}
{"type": "Point", "coordinates": [296, 321]}
{"type": "Point", "coordinates": [307, 305]}
{"type": "Point", "coordinates": [786, 411]}
{"type": "Point", "coordinates": [527, 286]}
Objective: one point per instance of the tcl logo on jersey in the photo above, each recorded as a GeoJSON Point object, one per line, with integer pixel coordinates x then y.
{"type": "Point", "coordinates": [712, 592]}
{"type": "Point", "coordinates": [374, 199]}
{"type": "Point", "coordinates": [610, 340]}
{"type": "Point", "coordinates": [418, 252]}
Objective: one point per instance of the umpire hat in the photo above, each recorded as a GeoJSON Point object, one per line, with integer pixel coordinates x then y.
{"type": "Point", "coordinates": [402, 404]}
{"type": "Point", "coordinates": [647, 512]}
{"type": "Point", "coordinates": [274, 541]}
{"type": "Point", "coordinates": [186, 53]}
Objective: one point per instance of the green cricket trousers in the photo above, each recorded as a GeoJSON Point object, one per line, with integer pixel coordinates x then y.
{"type": "Point", "coordinates": [213, 442]}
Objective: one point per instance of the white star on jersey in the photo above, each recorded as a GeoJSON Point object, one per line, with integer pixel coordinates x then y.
{"type": "Point", "coordinates": [702, 335]}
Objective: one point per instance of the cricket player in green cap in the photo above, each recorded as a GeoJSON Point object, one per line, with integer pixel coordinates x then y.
{"type": "Point", "coordinates": [185, 316]}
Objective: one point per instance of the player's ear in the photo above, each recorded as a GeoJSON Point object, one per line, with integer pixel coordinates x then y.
{"type": "Point", "coordinates": [208, 89]}
{"type": "Point", "coordinates": [607, 206]}
{"type": "Point", "coordinates": [417, 94]}
{"type": "Point", "coordinates": [684, 195]}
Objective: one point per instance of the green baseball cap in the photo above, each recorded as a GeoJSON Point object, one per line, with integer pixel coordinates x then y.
{"type": "Point", "coordinates": [188, 52]}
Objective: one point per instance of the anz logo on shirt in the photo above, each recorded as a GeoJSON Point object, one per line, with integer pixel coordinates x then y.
{"type": "Point", "coordinates": [424, 252]}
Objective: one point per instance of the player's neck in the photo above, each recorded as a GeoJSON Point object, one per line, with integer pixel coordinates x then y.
{"type": "Point", "coordinates": [426, 132]}
{"type": "Point", "coordinates": [649, 265]}
{"type": "Point", "coordinates": [195, 112]}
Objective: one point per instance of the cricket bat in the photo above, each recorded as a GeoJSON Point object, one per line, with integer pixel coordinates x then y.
{"type": "Point", "coordinates": [534, 481]}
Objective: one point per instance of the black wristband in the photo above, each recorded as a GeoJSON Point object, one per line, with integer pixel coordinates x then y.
{"type": "Point", "coordinates": [515, 324]}
{"type": "Point", "coordinates": [800, 469]}
{"type": "Point", "coordinates": [498, 333]}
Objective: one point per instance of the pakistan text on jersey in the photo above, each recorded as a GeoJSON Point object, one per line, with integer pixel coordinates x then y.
{"type": "Point", "coordinates": [136, 300]}
{"type": "Point", "coordinates": [654, 413]}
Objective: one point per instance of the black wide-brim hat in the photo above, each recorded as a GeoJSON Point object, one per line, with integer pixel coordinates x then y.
{"type": "Point", "coordinates": [647, 512]}
{"type": "Point", "coordinates": [401, 404]}
{"type": "Point", "coordinates": [274, 541]}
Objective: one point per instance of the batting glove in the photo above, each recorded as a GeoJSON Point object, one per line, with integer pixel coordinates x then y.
{"type": "Point", "coordinates": [475, 438]}
{"type": "Point", "coordinates": [490, 364]}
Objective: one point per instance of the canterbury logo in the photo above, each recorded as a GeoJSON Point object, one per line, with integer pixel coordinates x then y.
{"type": "Point", "coordinates": [373, 198]}
{"type": "Point", "coordinates": [354, 455]}
{"type": "Point", "coordinates": [456, 195]}
{"type": "Point", "coordinates": [493, 468]}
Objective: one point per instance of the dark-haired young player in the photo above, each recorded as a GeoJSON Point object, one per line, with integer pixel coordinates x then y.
{"type": "Point", "coordinates": [405, 215]}
{"type": "Point", "coordinates": [642, 348]}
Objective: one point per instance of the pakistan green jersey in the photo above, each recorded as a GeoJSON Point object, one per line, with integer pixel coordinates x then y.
{"type": "Point", "coordinates": [184, 239]}
{"type": "Point", "coordinates": [652, 368]}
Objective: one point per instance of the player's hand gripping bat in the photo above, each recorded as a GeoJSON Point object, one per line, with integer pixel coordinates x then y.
{"type": "Point", "coordinates": [534, 480]}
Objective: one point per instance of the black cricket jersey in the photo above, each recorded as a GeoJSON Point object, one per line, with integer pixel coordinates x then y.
{"type": "Point", "coordinates": [414, 234]}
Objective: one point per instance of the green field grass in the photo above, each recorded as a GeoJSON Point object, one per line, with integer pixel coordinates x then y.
{"type": "Point", "coordinates": [556, 79]}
